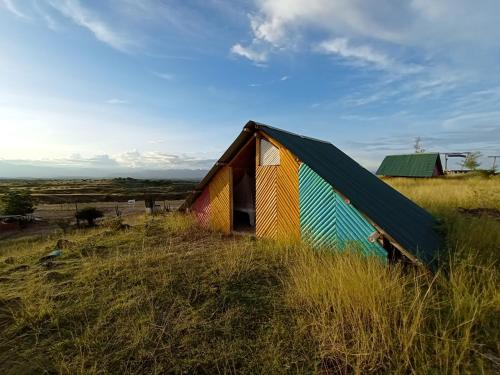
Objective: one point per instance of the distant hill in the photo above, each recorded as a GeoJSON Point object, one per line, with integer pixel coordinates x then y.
{"type": "Point", "coordinates": [11, 170]}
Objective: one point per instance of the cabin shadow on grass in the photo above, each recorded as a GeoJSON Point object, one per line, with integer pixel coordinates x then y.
{"type": "Point", "coordinates": [165, 296]}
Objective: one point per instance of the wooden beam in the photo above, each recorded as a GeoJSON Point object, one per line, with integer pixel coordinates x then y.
{"type": "Point", "coordinates": [257, 150]}
{"type": "Point", "coordinates": [397, 245]}
{"type": "Point", "coordinates": [346, 200]}
{"type": "Point", "coordinates": [240, 151]}
{"type": "Point", "coordinates": [275, 143]}
{"type": "Point", "coordinates": [271, 140]}
{"type": "Point", "coordinates": [231, 208]}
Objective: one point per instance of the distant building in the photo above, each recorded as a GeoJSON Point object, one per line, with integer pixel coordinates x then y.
{"type": "Point", "coordinates": [411, 165]}
{"type": "Point", "coordinates": [285, 186]}
{"type": "Point", "coordinates": [151, 206]}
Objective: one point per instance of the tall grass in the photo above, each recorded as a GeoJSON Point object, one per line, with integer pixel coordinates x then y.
{"type": "Point", "coordinates": [165, 296]}
{"type": "Point", "coordinates": [446, 194]}
{"type": "Point", "coordinates": [367, 318]}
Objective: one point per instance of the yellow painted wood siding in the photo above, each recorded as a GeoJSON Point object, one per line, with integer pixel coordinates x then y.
{"type": "Point", "coordinates": [288, 218]}
{"type": "Point", "coordinates": [220, 200]}
{"type": "Point", "coordinates": [266, 202]}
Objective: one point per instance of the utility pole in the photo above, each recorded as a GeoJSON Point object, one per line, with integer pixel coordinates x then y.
{"type": "Point", "coordinates": [76, 215]}
{"type": "Point", "coordinates": [494, 157]}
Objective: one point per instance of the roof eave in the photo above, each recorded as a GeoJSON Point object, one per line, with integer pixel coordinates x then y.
{"type": "Point", "coordinates": [247, 132]}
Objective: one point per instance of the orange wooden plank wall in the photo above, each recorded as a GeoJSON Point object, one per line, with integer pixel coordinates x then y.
{"type": "Point", "coordinates": [220, 200]}
{"type": "Point", "coordinates": [266, 205]}
{"type": "Point", "coordinates": [277, 199]}
{"type": "Point", "coordinates": [288, 224]}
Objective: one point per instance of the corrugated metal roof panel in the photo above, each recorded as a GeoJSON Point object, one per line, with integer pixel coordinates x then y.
{"type": "Point", "coordinates": [411, 165]}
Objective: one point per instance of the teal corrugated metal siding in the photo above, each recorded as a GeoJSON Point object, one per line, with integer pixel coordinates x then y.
{"type": "Point", "coordinates": [352, 226]}
{"type": "Point", "coordinates": [327, 220]}
{"type": "Point", "coordinates": [317, 208]}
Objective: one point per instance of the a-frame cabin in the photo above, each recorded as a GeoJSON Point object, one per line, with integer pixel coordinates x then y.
{"type": "Point", "coordinates": [288, 187]}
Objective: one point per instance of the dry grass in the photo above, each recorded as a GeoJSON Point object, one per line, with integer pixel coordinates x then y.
{"type": "Point", "coordinates": [167, 297]}
{"type": "Point", "coordinates": [442, 197]}
{"type": "Point", "coordinates": [365, 319]}
{"type": "Point", "coordinates": [66, 191]}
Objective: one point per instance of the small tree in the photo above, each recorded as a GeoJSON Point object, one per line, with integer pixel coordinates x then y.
{"type": "Point", "coordinates": [472, 161]}
{"type": "Point", "coordinates": [90, 214]}
{"type": "Point", "coordinates": [17, 203]}
{"type": "Point", "coordinates": [419, 148]}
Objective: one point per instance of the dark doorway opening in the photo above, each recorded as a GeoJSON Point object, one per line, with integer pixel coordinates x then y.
{"type": "Point", "coordinates": [243, 168]}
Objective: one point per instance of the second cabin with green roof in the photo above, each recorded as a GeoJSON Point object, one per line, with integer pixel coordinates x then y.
{"type": "Point", "coordinates": [411, 165]}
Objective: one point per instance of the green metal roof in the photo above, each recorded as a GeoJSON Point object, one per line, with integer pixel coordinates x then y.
{"type": "Point", "coordinates": [409, 225]}
{"type": "Point", "coordinates": [411, 165]}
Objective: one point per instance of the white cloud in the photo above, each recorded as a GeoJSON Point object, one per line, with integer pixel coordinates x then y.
{"type": "Point", "coordinates": [407, 22]}
{"type": "Point", "coordinates": [55, 127]}
{"type": "Point", "coordinates": [116, 101]}
{"type": "Point", "coordinates": [51, 23]}
{"type": "Point", "coordinates": [160, 160]}
{"type": "Point", "coordinates": [425, 85]}
{"type": "Point", "coordinates": [84, 18]}
{"type": "Point", "coordinates": [132, 26]}
{"type": "Point", "coordinates": [363, 54]}
{"type": "Point", "coordinates": [483, 121]}
{"type": "Point", "coordinates": [165, 76]}
{"type": "Point", "coordinates": [49, 20]}
{"type": "Point", "coordinates": [276, 20]}
{"type": "Point", "coordinates": [271, 82]}
{"type": "Point", "coordinates": [270, 30]}
{"type": "Point", "coordinates": [76, 160]}
{"type": "Point", "coordinates": [12, 7]}
{"type": "Point", "coordinates": [462, 33]}
{"type": "Point", "coordinates": [130, 159]}
{"type": "Point", "coordinates": [156, 141]}
{"type": "Point", "coordinates": [250, 53]}
{"type": "Point", "coordinates": [290, 25]}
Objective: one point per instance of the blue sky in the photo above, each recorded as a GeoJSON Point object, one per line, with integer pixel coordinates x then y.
{"type": "Point", "coordinates": [160, 84]}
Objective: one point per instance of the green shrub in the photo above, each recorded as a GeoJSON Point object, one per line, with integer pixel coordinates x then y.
{"type": "Point", "coordinates": [89, 214]}
{"type": "Point", "coordinates": [17, 203]}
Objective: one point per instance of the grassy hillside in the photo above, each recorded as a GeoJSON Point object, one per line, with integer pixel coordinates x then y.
{"type": "Point", "coordinates": [166, 296]}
